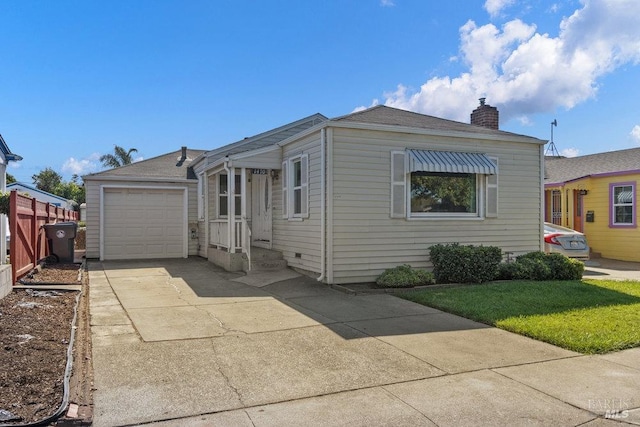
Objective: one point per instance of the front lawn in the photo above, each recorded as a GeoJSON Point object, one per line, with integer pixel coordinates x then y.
{"type": "Point", "coordinates": [588, 316]}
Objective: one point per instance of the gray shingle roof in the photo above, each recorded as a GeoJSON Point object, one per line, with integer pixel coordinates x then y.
{"type": "Point", "coordinates": [558, 170]}
{"type": "Point", "coordinates": [268, 138]}
{"type": "Point", "coordinates": [164, 166]}
{"type": "Point", "coordinates": [381, 114]}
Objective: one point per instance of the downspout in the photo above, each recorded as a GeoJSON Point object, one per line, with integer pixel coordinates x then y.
{"type": "Point", "coordinates": [329, 208]}
{"type": "Point", "coordinates": [322, 205]}
{"type": "Point", "coordinates": [231, 180]}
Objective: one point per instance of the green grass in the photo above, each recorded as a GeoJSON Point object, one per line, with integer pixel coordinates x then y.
{"type": "Point", "coordinates": [588, 316]}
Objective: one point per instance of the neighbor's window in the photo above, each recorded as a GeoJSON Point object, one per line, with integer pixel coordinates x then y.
{"type": "Point", "coordinates": [444, 193]}
{"type": "Point", "coordinates": [622, 204]}
{"type": "Point", "coordinates": [223, 195]}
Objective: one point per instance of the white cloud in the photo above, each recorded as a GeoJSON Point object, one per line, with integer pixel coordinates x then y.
{"type": "Point", "coordinates": [387, 3]}
{"type": "Point", "coordinates": [81, 167]}
{"type": "Point", "coordinates": [523, 72]}
{"type": "Point", "coordinates": [635, 133]}
{"type": "Point", "coordinates": [570, 152]}
{"type": "Point", "coordinates": [494, 7]}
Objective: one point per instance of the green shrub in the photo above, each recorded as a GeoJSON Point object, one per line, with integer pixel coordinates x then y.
{"type": "Point", "coordinates": [513, 271]}
{"type": "Point", "coordinates": [540, 266]}
{"type": "Point", "coordinates": [455, 263]}
{"type": "Point", "coordinates": [403, 276]}
{"type": "Point", "coordinates": [535, 269]}
{"type": "Point", "coordinates": [565, 268]}
{"type": "Point", "coordinates": [4, 202]}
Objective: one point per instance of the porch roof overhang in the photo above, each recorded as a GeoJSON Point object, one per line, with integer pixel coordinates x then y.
{"type": "Point", "coordinates": [263, 158]}
{"type": "Point", "coordinates": [450, 162]}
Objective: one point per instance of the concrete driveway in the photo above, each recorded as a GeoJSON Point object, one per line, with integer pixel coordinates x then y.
{"type": "Point", "coordinates": [609, 269]}
{"type": "Point", "coordinates": [181, 342]}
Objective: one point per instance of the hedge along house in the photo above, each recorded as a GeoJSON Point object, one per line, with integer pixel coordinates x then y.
{"type": "Point", "coordinates": [597, 195]}
{"type": "Point", "coordinates": [347, 198]}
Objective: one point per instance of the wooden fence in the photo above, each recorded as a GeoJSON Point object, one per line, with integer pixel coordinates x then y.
{"type": "Point", "coordinates": [28, 245]}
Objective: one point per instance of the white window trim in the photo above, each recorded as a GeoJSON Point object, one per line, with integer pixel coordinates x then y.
{"type": "Point", "coordinates": [201, 196]}
{"type": "Point", "coordinates": [218, 195]}
{"type": "Point", "coordinates": [288, 188]}
{"type": "Point", "coordinates": [449, 215]}
{"type": "Point", "coordinates": [614, 205]}
{"type": "Point", "coordinates": [483, 185]}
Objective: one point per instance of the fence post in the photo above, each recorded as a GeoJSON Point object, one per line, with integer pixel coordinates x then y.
{"type": "Point", "coordinates": [34, 231]}
{"type": "Point", "coordinates": [13, 229]}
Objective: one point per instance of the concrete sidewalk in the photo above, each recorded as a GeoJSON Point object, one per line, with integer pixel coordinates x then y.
{"type": "Point", "coordinates": [181, 342]}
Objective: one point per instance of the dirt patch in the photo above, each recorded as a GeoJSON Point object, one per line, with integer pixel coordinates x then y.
{"type": "Point", "coordinates": [34, 340]}
{"type": "Point", "coordinates": [62, 274]}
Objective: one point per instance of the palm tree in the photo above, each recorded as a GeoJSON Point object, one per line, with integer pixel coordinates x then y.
{"type": "Point", "coordinates": [120, 157]}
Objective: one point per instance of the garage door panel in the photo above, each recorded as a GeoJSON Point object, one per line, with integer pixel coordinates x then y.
{"type": "Point", "coordinates": [143, 223]}
{"type": "Point", "coordinates": [173, 232]}
{"type": "Point", "coordinates": [174, 214]}
{"type": "Point", "coordinates": [155, 215]}
{"type": "Point", "coordinates": [158, 232]}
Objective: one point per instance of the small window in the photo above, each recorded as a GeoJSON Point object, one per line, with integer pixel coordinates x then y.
{"type": "Point", "coordinates": [295, 187]}
{"type": "Point", "coordinates": [223, 195]}
{"type": "Point", "coordinates": [296, 172]}
{"type": "Point", "coordinates": [201, 195]}
{"type": "Point", "coordinates": [623, 207]}
{"type": "Point", "coordinates": [443, 193]}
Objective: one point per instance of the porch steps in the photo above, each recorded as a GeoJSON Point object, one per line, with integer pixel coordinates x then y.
{"type": "Point", "coordinates": [264, 260]}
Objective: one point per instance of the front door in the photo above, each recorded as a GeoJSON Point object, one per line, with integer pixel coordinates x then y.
{"type": "Point", "coordinates": [261, 210]}
{"type": "Point", "coordinates": [577, 211]}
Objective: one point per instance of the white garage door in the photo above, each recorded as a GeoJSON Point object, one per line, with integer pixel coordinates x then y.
{"type": "Point", "coordinates": [143, 223]}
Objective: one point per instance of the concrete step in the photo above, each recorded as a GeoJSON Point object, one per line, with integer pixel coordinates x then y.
{"type": "Point", "coordinates": [264, 260]}
{"type": "Point", "coordinates": [268, 265]}
{"type": "Point", "coordinates": [264, 254]}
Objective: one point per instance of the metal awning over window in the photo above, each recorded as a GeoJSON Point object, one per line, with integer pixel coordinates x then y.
{"type": "Point", "coordinates": [625, 197]}
{"type": "Point", "coordinates": [451, 162]}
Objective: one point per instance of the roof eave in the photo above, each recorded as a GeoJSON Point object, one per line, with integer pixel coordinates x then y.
{"type": "Point", "coordinates": [507, 137]}
{"type": "Point", "coordinates": [130, 178]}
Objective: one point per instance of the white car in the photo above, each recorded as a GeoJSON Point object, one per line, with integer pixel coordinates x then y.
{"type": "Point", "coordinates": [565, 241]}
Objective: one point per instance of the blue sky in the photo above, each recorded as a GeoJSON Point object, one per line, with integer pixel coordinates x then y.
{"type": "Point", "coordinates": [78, 77]}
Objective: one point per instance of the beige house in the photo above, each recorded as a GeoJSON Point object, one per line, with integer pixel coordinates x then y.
{"type": "Point", "coordinates": [342, 199]}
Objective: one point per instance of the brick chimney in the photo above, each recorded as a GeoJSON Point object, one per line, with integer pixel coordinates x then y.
{"type": "Point", "coordinates": [485, 115]}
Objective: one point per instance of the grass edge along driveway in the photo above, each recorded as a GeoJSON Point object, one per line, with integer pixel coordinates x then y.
{"type": "Point", "coordinates": [587, 316]}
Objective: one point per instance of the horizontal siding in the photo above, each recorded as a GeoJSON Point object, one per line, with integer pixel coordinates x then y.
{"type": "Point", "coordinates": [192, 217]}
{"type": "Point", "coordinates": [614, 243]}
{"type": "Point", "coordinates": [299, 241]}
{"type": "Point", "coordinates": [366, 241]}
{"type": "Point", "coordinates": [92, 190]}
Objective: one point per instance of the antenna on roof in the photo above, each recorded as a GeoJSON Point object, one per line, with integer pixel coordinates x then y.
{"type": "Point", "coordinates": [552, 146]}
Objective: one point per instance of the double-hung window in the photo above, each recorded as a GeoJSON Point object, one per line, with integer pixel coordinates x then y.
{"type": "Point", "coordinates": [623, 206]}
{"type": "Point", "coordinates": [201, 195]}
{"type": "Point", "coordinates": [295, 187]}
{"type": "Point", "coordinates": [223, 195]}
{"type": "Point", "coordinates": [443, 184]}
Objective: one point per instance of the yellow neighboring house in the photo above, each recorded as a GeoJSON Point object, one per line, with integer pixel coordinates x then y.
{"type": "Point", "coordinates": [597, 195]}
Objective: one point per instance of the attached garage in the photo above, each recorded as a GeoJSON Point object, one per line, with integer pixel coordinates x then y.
{"type": "Point", "coordinates": [144, 210]}
{"type": "Point", "coordinates": [141, 223]}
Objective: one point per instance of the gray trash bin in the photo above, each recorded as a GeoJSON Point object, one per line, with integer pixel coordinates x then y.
{"type": "Point", "coordinates": [61, 238]}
